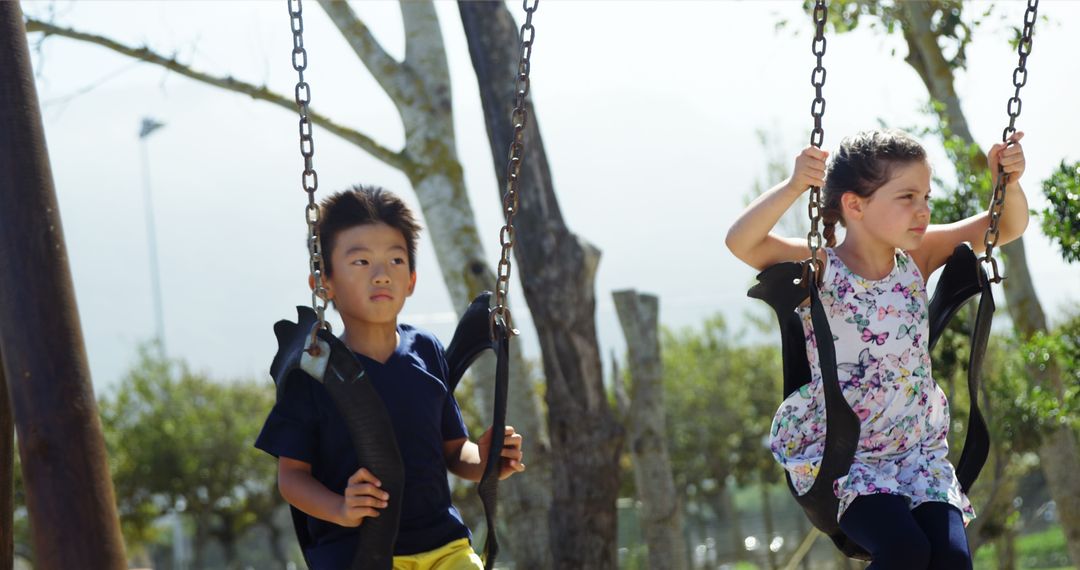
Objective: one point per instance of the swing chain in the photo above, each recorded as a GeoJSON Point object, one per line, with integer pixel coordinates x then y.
{"type": "Point", "coordinates": [814, 239]}
{"type": "Point", "coordinates": [500, 313]}
{"type": "Point", "coordinates": [997, 202]}
{"type": "Point", "coordinates": [309, 178]}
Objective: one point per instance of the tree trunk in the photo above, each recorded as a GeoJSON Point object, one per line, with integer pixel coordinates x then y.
{"type": "Point", "coordinates": [1006, 550]}
{"type": "Point", "coordinates": [68, 491]}
{"type": "Point", "coordinates": [7, 475]}
{"type": "Point", "coordinates": [1003, 484]}
{"type": "Point", "coordinates": [228, 546]}
{"type": "Point", "coordinates": [770, 527]}
{"type": "Point", "coordinates": [804, 529]}
{"type": "Point", "coordinates": [198, 546]}
{"type": "Point", "coordinates": [724, 505]}
{"type": "Point", "coordinates": [557, 271]}
{"type": "Point", "coordinates": [661, 519]}
{"type": "Point", "coordinates": [1059, 453]}
{"type": "Point", "coordinates": [278, 545]}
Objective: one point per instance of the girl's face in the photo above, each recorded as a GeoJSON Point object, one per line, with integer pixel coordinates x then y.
{"type": "Point", "coordinates": [898, 213]}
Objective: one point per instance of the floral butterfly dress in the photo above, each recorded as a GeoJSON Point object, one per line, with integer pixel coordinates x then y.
{"type": "Point", "coordinates": [881, 333]}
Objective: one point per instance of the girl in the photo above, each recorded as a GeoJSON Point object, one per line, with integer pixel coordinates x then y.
{"type": "Point", "coordinates": [901, 500]}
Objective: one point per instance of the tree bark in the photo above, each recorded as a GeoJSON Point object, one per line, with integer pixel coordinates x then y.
{"type": "Point", "coordinates": [1006, 554]}
{"type": "Point", "coordinates": [723, 504]}
{"type": "Point", "coordinates": [198, 547]}
{"type": "Point", "coordinates": [661, 520]}
{"type": "Point", "coordinates": [770, 526]}
{"type": "Point", "coordinates": [7, 475]}
{"type": "Point", "coordinates": [1059, 453]}
{"type": "Point", "coordinates": [557, 271]}
{"type": "Point", "coordinates": [277, 545]}
{"type": "Point", "coordinates": [68, 491]}
{"type": "Point", "coordinates": [999, 503]}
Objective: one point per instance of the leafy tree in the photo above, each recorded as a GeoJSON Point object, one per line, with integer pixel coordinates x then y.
{"type": "Point", "coordinates": [1061, 219]}
{"type": "Point", "coordinates": [179, 442]}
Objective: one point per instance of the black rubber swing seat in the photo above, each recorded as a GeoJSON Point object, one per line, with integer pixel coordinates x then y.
{"type": "Point", "coordinates": [369, 425]}
{"type": "Point", "coordinates": [782, 288]}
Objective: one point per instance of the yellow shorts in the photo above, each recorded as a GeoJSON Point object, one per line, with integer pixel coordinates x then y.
{"type": "Point", "coordinates": [456, 555]}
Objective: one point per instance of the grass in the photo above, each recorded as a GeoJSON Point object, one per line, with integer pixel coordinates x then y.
{"type": "Point", "coordinates": [1037, 551]}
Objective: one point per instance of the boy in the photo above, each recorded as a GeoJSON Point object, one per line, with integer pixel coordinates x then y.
{"type": "Point", "coordinates": [369, 239]}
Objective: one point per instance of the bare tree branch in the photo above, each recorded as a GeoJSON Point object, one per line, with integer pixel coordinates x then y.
{"type": "Point", "coordinates": [398, 160]}
{"type": "Point", "coordinates": [388, 72]}
{"type": "Point", "coordinates": [420, 21]}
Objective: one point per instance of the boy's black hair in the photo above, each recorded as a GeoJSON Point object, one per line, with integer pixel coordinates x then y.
{"type": "Point", "coordinates": [362, 205]}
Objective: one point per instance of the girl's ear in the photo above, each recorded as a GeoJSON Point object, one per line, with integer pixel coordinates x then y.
{"type": "Point", "coordinates": [852, 205]}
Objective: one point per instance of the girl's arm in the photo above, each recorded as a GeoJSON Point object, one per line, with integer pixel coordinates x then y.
{"type": "Point", "coordinates": [940, 240]}
{"type": "Point", "coordinates": [750, 237]}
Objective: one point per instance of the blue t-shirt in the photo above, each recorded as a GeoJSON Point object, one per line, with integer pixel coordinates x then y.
{"type": "Point", "coordinates": [304, 425]}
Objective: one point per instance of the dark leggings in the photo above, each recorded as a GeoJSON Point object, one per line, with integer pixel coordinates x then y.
{"type": "Point", "coordinates": [930, 536]}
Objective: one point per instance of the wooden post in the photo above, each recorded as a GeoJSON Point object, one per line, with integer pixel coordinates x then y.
{"type": "Point", "coordinates": [68, 492]}
{"type": "Point", "coordinates": [661, 520]}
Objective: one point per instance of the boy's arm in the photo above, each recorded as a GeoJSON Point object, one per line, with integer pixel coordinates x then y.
{"type": "Point", "coordinates": [750, 238]}
{"type": "Point", "coordinates": [363, 498]}
{"type": "Point", "coordinates": [467, 459]}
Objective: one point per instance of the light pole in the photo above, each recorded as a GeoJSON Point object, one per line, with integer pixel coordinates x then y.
{"type": "Point", "coordinates": [148, 126]}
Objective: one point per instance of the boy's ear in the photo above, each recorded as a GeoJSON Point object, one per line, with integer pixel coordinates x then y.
{"type": "Point", "coordinates": [326, 285]}
{"type": "Point", "coordinates": [412, 283]}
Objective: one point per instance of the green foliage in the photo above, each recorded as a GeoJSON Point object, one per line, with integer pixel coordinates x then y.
{"type": "Point", "coordinates": [719, 400]}
{"type": "Point", "coordinates": [974, 186]}
{"type": "Point", "coordinates": [1061, 219]}
{"type": "Point", "coordinates": [24, 547]}
{"type": "Point", "coordinates": [1030, 409]}
{"type": "Point", "coordinates": [1020, 408]}
{"type": "Point", "coordinates": [948, 23]}
{"type": "Point", "coordinates": [180, 442]}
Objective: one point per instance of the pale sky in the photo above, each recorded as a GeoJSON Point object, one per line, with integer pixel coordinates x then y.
{"type": "Point", "coordinates": [649, 111]}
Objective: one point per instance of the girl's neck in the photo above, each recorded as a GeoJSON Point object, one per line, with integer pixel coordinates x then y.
{"type": "Point", "coordinates": [375, 341]}
{"type": "Point", "coordinates": [872, 261]}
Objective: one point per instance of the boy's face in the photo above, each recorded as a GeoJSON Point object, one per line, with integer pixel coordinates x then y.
{"type": "Point", "coordinates": [371, 277]}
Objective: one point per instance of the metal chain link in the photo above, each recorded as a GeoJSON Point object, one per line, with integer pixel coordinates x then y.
{"type": "Point", "coordinates": [309, 179]}
{"type": "Point", "coordinates": [500, 313]}
{"type": "Point", "coordinates": [814, 239]}
{"type": "Point", "coordinates": [997, 203]}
